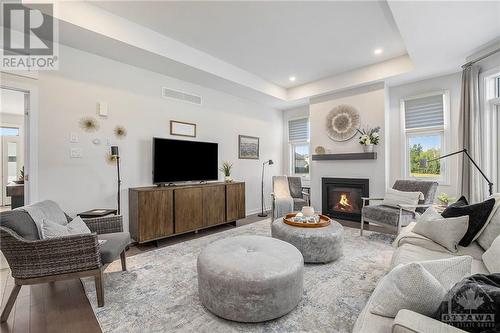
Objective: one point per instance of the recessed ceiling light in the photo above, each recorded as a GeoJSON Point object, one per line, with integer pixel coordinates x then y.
{"type": "Point", "coordinates": [292, 78]}
{"type": "Point", "coordinates": [378, 51]}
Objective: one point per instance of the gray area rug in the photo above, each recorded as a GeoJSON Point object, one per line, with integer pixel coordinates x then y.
{"type": "Point", "coordinates": [159, 292]}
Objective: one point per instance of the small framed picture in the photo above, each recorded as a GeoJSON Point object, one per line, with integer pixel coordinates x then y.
{"type": "Point", "coordinates": [248, 147]}
{"type": "Point", "coordinates": [181, 128]}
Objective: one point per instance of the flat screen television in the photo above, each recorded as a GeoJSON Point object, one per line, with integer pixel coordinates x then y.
{"type": "Point", "coordinates": [181, 161]}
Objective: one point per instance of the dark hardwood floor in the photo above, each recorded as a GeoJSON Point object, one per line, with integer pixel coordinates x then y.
{"type": "Point", "coordinates": [63, 306]}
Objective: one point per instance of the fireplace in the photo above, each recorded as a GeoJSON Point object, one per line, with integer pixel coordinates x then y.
{"type": "Point", "coordinates": [342, 197]}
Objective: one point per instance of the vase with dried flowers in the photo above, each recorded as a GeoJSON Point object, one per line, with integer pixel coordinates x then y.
{"type": "Point", "coordinates": [369, 138]}
{"type": "Point", "coordinates": [226, 170]}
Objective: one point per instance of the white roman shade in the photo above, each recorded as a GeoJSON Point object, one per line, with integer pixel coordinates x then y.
{"type": "Point", "coordinates": [298, 130]}
{"type": "Point", "coordinates": [424, 112]}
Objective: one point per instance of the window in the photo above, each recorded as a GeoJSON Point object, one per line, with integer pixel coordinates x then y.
{"type": "Point", "coordinates": [298, 138]}
{"type": "Point", "coordinates": [9, 131]}
{"type": "Point", "coordinates": [424, 119]}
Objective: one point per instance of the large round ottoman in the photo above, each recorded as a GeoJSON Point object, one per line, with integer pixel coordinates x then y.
{"type": "Point", "coordinates": [317, 245]}
{"type": "Point", "coordinates": [250, 278]}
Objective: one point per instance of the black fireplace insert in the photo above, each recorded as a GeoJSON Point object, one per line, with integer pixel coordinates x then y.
{"type": "Point", "coordinates": [342, 197]}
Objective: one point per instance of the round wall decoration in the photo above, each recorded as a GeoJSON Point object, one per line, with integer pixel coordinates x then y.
{"type": "Point", "coordinates": [342, 123]}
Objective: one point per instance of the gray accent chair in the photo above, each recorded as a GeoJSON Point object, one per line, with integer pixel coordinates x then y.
{"type": "Point", "coordinates": [288, 196]}
{"type": "Point", "coordinates": [403, 214]}
{"type": "Point", "coordinates": [33, 260]}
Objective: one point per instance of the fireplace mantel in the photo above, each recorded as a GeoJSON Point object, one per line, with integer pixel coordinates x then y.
{"type": "Point", "coordinates": [345, 156]}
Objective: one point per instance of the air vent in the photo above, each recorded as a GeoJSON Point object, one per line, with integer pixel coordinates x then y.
{"type": "Point", "coordinates": [181, 96]}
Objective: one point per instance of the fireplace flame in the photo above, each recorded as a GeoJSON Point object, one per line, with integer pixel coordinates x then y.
{"type": "Point", "coordinates": [344, 204]}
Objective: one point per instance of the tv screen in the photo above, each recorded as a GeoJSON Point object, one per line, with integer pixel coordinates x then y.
{"type": "Point", "coordinates": [180, 160]}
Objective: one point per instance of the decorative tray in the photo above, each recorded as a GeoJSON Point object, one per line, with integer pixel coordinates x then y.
{"type": "Point", "coordinates": [323, 221]}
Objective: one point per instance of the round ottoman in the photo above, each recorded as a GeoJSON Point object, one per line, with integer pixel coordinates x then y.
{"type": "Point", "coordinates": [317, 245]}
{"type": "Point", "coordinates": [250, 278]}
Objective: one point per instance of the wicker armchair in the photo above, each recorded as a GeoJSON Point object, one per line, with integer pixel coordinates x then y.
{"type": "Point", "coordinates": [33, 260]}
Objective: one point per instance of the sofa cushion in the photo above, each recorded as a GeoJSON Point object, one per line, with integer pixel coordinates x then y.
{"type": "Point", "coordinates": [407, 253]}
{"type": "Point", "coordinates": [115, 244]}
{"type": "Point", "coordinates": [492, 228]}
{"type": "Point", "coordinates": [386, 215]}
{"type": "Point", "coordinates": [478, 215]}
{"type": "Point", "coordinates": [491, 257]}
{"type": "Point", "coordinates": [20, 222]}
{"type": "Point", "coordinates": [445, 231]}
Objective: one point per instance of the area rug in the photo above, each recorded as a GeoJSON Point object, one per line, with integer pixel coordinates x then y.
{"type": "Point", "coordinates": [159, 292]}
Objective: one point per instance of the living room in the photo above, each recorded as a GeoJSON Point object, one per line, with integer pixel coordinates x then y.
{"type": "Point", "coordinates": [220, 166]}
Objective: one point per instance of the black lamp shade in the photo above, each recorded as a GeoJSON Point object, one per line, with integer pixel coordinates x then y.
{"type": "Point", "coordinates": [114, 151]}
{"type": "Point", "coordinates": [271, 162]}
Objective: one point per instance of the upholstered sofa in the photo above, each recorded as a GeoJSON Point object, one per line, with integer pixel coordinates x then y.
{"type": "Point", "coordinates": [412, 247]}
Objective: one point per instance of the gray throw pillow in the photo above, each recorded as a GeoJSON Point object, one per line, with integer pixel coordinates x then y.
{"type": "Point", "coordinates": [76, 226]}
{"type": "Point", "coordinates": [446, 232]}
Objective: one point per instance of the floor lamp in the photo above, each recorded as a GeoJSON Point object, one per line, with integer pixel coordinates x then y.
{"type": "Point", "coordinates": [262, 213]}
{"type": "Point", "coordinates": [490, 184]}
{"type": "Point", "coordinates": [116, 155]}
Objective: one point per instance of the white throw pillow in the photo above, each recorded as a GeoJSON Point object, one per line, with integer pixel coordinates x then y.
{"type": "Point", "coordinates": [491, 231]}
{"type": "Point", "coordinates": [445, 231]}
{"type": "Point", "coordinates": [394, 197]}
{"type": "Point", "coordinates": [491, 257]}
{"type": "Point", "coordinates": [76, 226]}
{"type": "Point", "coordinates": [418, 286]}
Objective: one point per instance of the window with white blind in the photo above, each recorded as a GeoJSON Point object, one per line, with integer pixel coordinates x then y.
{"type": "Point", "coordinates": [424, 118]}
{"type": "Point", "coordinates": [298, 139]}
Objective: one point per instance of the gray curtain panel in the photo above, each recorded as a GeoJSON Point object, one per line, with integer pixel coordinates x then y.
{"type": "Point", "coordinates": [471, 129]}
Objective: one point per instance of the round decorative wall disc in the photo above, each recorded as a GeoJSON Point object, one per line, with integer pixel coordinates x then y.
{"type": "Point", "coordinates": [342, 123]}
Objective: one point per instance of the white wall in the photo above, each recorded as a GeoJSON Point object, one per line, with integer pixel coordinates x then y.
{"type": "Point", "coordinates": [135, 102]}
{"type": "Point", "coordinates": [370, 102]}
{"type": "Point", "coordinates": [448, 82]}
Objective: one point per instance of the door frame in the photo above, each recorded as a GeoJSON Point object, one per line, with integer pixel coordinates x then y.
{"type": "Point", "coordinates": [29, 87]}
{"type": "Point", "coordinates": [4, 200]}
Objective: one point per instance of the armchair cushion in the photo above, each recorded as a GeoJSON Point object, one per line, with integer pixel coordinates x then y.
{"type": "Point", "coordinates": [115, 244]}
{"type": "Point", "coordinates": [387, 215]}
{"type": "Point", "coordinates": [75, 227]}
{"type": "Point", "coordinates": [298, 203]}
{"type": "Point", "coordinates": [20, 222]}
{"type": "Point", "coordinates": [295, 184]}
{"type": "Point", "coordinates": [428, 188]}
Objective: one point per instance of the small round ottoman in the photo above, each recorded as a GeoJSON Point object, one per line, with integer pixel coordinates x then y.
{"type": "Point", "coordinates": [317, 245]}
{"type": "Point", "coordinates": [250, 278]}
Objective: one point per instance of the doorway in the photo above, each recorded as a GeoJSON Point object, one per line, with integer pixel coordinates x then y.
{"type": "Point", "coordinates": [13, 113]}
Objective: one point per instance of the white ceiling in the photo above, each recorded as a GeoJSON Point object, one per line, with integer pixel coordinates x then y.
{"type": "Point", "coordinates": [309, 40]}
{"type": "Point", "coordinates": [11, 102]}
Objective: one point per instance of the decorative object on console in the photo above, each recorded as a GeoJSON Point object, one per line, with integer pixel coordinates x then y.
{"type": "Point", "coordinates": [181, 128]}
{"type": "Point", "coordinates": [226, 170]}
{"type": "Point", "coordinates": [89, 124]}
{"type": "Point", "coordinates": [478, 215]}
{"type": "Point", "coordinates": [464, 151]}
{"type": "Point", "coordinates": [263, 213]}
{"type": "Point", "coordinates": [248, 147]}
{"type": "Point", "coordinates": [120, 132]}
{"type": "Point", "coordinates": [116, 156]}
{"type": "Point", "coordinates": [342, 123]}
{"type": "Point", "coordinates": [319, 150]}
{"type": "Point", "coordinates": [20, 179]}
{"type": "Point", "coordinates": [369, 138]}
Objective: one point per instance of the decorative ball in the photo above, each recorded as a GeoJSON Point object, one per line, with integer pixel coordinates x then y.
{"type": "Point", "coordinates": [319, 150]}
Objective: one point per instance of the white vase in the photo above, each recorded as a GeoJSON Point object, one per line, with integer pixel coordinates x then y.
{"type": "Point", "coordinates": [228, 179]}
{"type": "Point", "coordinates": [368, 148]}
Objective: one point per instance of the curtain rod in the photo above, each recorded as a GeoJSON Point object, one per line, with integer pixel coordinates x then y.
{"type": "Point", "coordinates": [470, 63]}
